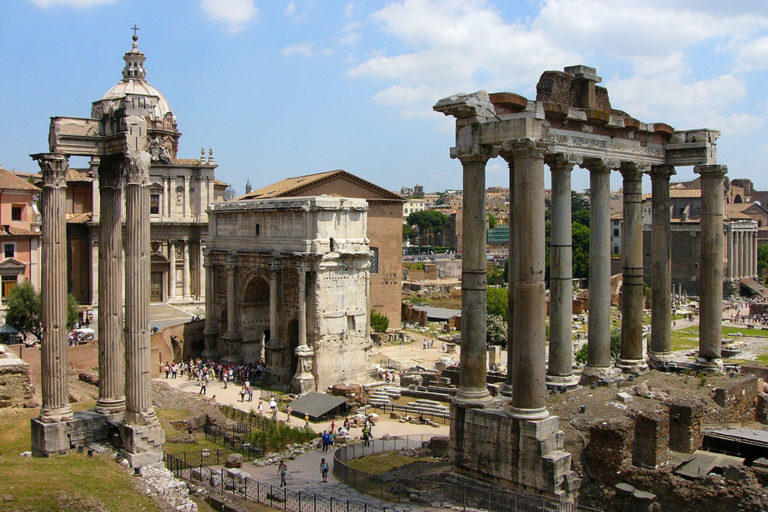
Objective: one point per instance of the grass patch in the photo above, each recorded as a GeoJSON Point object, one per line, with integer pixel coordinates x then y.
{"type": "Point", "coordinates": [73, 482]}
{"type": "Point", "coordinates": [279, 435]}
{"type": "Point", "coordinates": [383, 462]}
{"type": "Point", "coordinates": [685, 339]}
{"type": "Point", "coordinates": [414, 265]}
{"type": "Point", "coordinates": [730, 331]}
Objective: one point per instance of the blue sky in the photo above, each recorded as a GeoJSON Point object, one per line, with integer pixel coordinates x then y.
{"type": "Point", "coordinates": [283, 88]}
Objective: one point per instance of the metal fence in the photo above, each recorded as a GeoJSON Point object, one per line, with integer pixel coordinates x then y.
{"type": "Point", "coordinates": [427, 492]}
{"type": "Point", "coordinates": [236, 438]}
{"type": "Point", "coordinates": [245, 487]}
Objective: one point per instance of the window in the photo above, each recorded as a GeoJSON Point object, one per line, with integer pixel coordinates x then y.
{"type": "Point", "coordinates": [9, 283]}
{"type": "Point", "coordinates": [375, 260]}
{"type": "Point", "coordinates": [257, 230]}
{"type": "Point", "coordinates": [9, 250]}
{"type": "Point", "coordinates": [154, 204]}
{"type": "Point", "coordinates": [615, 232]}
{"type": "Point", "coordinates": [16, 212]}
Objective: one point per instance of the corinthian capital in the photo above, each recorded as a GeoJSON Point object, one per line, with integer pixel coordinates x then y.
{"type": "Point", "coordinates": [110, 173]}
{"type": "Point", "coordinates": [522, 148]}
{"type": "Point", "coordinates": [475, 153]}
{"type": "Point", "coordinates": [135, 167]}
{"type": "Point", "coordinates": [601, 164]}
{"type": "Point", "coordinates": [563, 161]}
{"type": "Point", "coordinates": [53, 167]}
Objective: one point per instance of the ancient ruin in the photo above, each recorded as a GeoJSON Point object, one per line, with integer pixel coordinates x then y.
{"type": "Point", "coordinates": [570, 123]}
{"type": "Point", "coordinates": [288, 281]}
{"type": "Point", "coordinates": [116, 135]}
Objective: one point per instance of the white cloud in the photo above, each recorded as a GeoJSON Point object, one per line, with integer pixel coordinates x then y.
{"type": "Point", "coordinates": [349, 34]}
{"type": "Point", "coordinates": [235, 14]}
{"type": "Point", "coordinates": [290, 9]}
{"type": "Point", "coordinates": [301, 49]}
{"type": "Point", "coordinates": [71, 3]}
{"type": "Point", "coordinates": [753, 55]}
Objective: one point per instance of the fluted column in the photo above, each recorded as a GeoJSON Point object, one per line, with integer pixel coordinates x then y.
{"type": "Point", "coordinates": [171, 268]}
{"type": "Point", "coordinates": [599, 334]}
{"type": "Point", "coordinates": [473, 389]}
{"type": "Point", "coordinates": [661, 266]}
{"type": "Point", "coordinates": [711, 264]}
{"type": "Point", "coordinates": [111, 349]}
{"type": "Point", "coordinates": [631, 358]}
{"type": "Point", "coordinates": [53, 353]}
{"type": "Point", "coordinates": [729, 254]}
{"type": "Point", "coordinates": [138, 391]}
{"type": "Point", "coordinates": [233, 314]}
{"type": "Point", "coordinates": [529, 392]}
{"type": "Point", "coordinates": [739, 254]}
{"type": "Point", "coordinates": [210, 331]}
{"type": "Point", "coordinates": [185, 272]}
{"type": "Point", "coordinates": [560, 367]}
{"type": "Point", "coordinates": [752, 253]}
{"type": "Point", "coordinates": [303, 380]}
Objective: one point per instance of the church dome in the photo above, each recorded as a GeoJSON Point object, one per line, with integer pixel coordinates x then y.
{"type": "Point", "coordinates": [133, 82]}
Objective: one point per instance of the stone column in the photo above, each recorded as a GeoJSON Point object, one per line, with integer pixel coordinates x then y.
{"type": "Point", "coordinates": [560, 368]}
{"type": "Point", "coordinates": [752, 255]}
{"type": "Point", "coordinates": [739, 254]}
{"type": "Point", "coordinates": [142, 434]}
{"type": "Point", "coordinates": [233, 316]}
{"type": "Point", "coordinates": [711, 265]}
{"type": "Point", "coordinates": [633, 299]}
{"type": "Point", "coordinates": [473, 389]}
{"type": "Point", "coordinates": [201, 270]}
{"type": "Point", "coordinates": [660, 351]}
{"type": "Point", "coordinates": [274, 271]}
{"type": "Point", "coordinates": [186, 196]}
{"type": "Point", "coordinates": [529, 392]}
{"type": "Point", "coordinates": [599, 335]}
{"type": "Point", "coordinates": [111, 352]}
{"type": "Point", "coordinates": [729, 255]}
{"type": "Point", "coordinates": [171, 268]}
{"type": "Point", "coordinates": [211, 330]}
{"type": "Point", "coordinates": [54, 345]}
{"type": "Point", "coordinates": [303, 379]}
{"type": "Point", "coordinates": [186, 274]}
{"type": "Point", "coordinates": [94, 285]}
{"type": "Point", "coordinates": [512, 265]}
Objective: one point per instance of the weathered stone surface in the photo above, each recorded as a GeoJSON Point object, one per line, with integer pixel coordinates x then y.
{"type": "Point", "coordinates": [15, 387]}
{"type": "Point", "coordinates": [651, 439]}
{"type": "Point", "coordinates": [234, 460]}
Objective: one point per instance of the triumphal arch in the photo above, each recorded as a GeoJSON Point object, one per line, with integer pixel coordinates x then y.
{"type": "Point", "coordinates": [288, 280]}
{"type": "Point", "coordinates": [571, 122]}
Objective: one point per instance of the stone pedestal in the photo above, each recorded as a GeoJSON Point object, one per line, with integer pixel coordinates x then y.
{"type": "Point", "coordinates": [303, 381]}
{"type": "Point", "coordinates": [83, 427]}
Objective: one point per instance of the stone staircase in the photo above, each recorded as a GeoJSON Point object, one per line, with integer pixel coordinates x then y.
{"type": "Point", "coordinates": [429, 407]}
{"type": "Point", "coordinates": [379, 399]}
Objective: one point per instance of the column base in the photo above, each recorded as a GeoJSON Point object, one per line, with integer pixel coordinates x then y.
{"type": "Point", "coordinates": [561, 381]}
{"type": "Point", "coordinates": [632, 365]}
{"type": "Point", "coordinates": [56, 414]}
{"type": "Point", "coordinates": [519, 413]}
{"type": "Point", "coordinates": [114, 408]}
{"type": "Point", "coordinates": [715, 365]}
{"type": "Point", "coordinates": [304, 381]}
{"type": "Point", "coordinates": [506, 389]}
{"type": "Point", "coordinates": [659, 358]}
{"type": "Point", "coordinates": [61, 437]}
{"type": "Point", "coordinates": [730, 288]}
{"type": "Point", "coordinates": [592, 374]}
{"type": "Point", "coordinates": [473, 397]}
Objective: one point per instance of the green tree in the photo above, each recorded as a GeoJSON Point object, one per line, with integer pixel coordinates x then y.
{"type": "Point", "coordinates": [409, 233]}
{"type": "Point", "coordinates": [491, 221]}
{"type": "Point", "coordinates": [25, 310]}
{"type": "Point", "coordinates": [496, 301]}
{"type": "Point", "coordinates": [379, 321]}
{"type": "Point", "coordinates": [430, 223]}
{"type": "Point", "coordinates": [580, 242]}
{"type": "Point", "coordinates": [496, 331]}
{"type": "Point", "coordinates": [582, 355]}
{"type": "Point", "coordinates": [762, 260]}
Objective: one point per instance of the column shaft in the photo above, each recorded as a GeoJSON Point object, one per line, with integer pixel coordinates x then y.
{"type": "Point", "coordinates": [599, 324]}
{"type": "Point", "coordinates": [171, 268]}
{"type": "Point", "coordinates": [111, 352]}
{"type": "Point", "coordinates": [472, 377]}
{"type": "Point", "coordinates": [53, 352]}
{"type": "Point", "coordinates": [511, 275]}
{"type": "Point", "coordinates": [661, 266]}
{"type": "Point", "coordinates": [729, 268]}
{"type": "Point", "coordinates": [739, 254]}
{"type": "Point", "coordinates": [560, 367]}
{"type": "Point", "coordinates": [529, 390]}
{"type": "Point", "coordinates": [138, 391]}
{"type": "Point", "coordinates": [632, 254]}
{"type": "Point", "coordinates": [273, 272]}
{"type": "Point", "coordinates": [711, 265]}
{"type": "Point", "coordinates": [233, 327]}
{"type": "Point", "coordinates": [211, 330]}
{"type": "Point", "coordinates": [186, 273]}
{"type": "Point", "coordinates": [302, 314]}
{"type": "Point", "coordinates": [186, 196]}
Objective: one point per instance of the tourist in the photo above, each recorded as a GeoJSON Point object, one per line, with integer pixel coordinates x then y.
{"type": "Point", "coordinates": [249, 390]}
{"type": "Point", "coordinates": [330, 439]}
{"type": "Point", "coordinates": [347, 425]}
{"type": "Point", "coordinates": [282, 469]}
{"type": "Point", "coordinates": [272, 403]}
{"type": "Point", "coordinates": [333, 425]}
{"type": "Point", "coordinates": [306, 420]}
{"type": "Point", "coordinates": [261, 407]}
{"type": "Point", "coordinates": [366, 434]}
{"type": "Point", "coordinates": [343, 432]}
{"type": "Point", "coordinates": [242, 394]}
{"type": "Point", "coordinates": [325, 440]}
{"type": "Point", "coordinates": [203, 384]}
{"type": "Point", "coordinates": [288, 412]}
{"type": "Point", "coordinates": [167, 369]}
{"type": "Point", "coordinates": [324, 470]}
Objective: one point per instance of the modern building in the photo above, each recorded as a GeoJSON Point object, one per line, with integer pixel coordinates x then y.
{"type": "Point", "coordinates": [385, 228]}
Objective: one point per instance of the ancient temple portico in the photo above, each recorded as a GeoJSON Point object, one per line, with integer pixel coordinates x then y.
{"type": "Point", "coordinates": [512, 441]}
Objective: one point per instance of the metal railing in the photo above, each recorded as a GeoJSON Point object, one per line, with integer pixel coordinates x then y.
{"type": "Point", "coordinates": [243, 486]}
{"type": "Point", "coordinates": [236, 438]}
{"type": "Point", "coordinates": [437, 493]}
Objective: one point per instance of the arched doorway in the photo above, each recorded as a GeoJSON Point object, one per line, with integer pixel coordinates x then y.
{"type": "Point", "coordinates": [254, 319]}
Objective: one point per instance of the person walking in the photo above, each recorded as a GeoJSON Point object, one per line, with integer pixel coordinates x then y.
{"type": "Point", "coordinates": [366, 435]}
{"type": "Point", "coordinates": [306, 420]}
{"type": "Point", "coordinates": [282, 470]}
{"type": "Point", "coordinates": [325, 440]}
{"type": "Point", "coordinates": [324, 470]}
{"type": "Point", "coordinates": [242, 394]}
{"type": "Point", "coordinates": [202, 386]}
{"type": "Point", "coordinates": [288, 412]}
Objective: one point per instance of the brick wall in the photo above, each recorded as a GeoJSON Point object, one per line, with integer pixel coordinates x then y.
{"type": "Point", "coordinates": [685, 426]}
{"type": "Point", "coordinates": [738, 398]}
{"type": "Point", "coordinates": [609, 450]}
{"type": "Point", "coordinates": [651, 439]}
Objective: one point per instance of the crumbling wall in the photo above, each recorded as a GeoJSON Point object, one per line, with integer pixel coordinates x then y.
{"type": "Point", "coordinates": [412, 315]}
{"type": "Point", "coordinates": [651, 439]}
{"type": "Point", "coordinates": [609, 450]}
{"type": "Point", "coordinates": [15, 387]}
{"type": "Point", "coordinates": [738, 398]}
{"type": "Point", "coordinates": [685, 433]}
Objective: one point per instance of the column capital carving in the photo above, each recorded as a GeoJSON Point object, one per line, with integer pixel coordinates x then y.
{"type": "Point", "coordinates": [135, 168]}
{"type": "Point", "coordinates": [712, 170]}
{"type": "Point", "coordinates": [232, 261]}
{"type": "Point", "coordinates": [633, 171]}
{"type": "Point", "coordinates": [110, 174]}
{"type": "Point", "coordinates": [601, 164]}
{"type": "Point", "coordinates": [562, 161]}
{"type": "Point", "coordinates": [475, 153]}
{"type": "Point", "coordinates": [662, 171]}
{"type": "Point", "coordinates": [531, 148]}
{"type": "Point", "coordinates": [54, 168]}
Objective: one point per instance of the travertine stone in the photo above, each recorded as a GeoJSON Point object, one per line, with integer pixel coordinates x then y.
{"type": "Point", "coordinates": [210, 331]}
{"type": "Point", "coordinates": [661, 266]}
{"type": "Point", "coordinates": [54, 367]}
{"type": "Point", "coordinates": [560, 367]}
{"type": "Point", "coordinates": [186, 279]}
{"type": "Point", "coordinates": [141, 432]}
{"type": "Point", "coordinates": [171, 268]}
{"type": "Point", "coordinates": [472, 377]}
{"type": "Point", "coordinates": [111, 349]}
{"type": "Point", "coordinates": [631, 358]}
{"type": "Point", "coordinates": [528, 366]}
{"type": "Point", "coordinates": [303, 380]}
{"type": "Point", "coordinates": [711, 266]}
{"type": "Point", "coordinates": [599, 335]}
{"type": "Point", "coordinates": [514, 219]}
